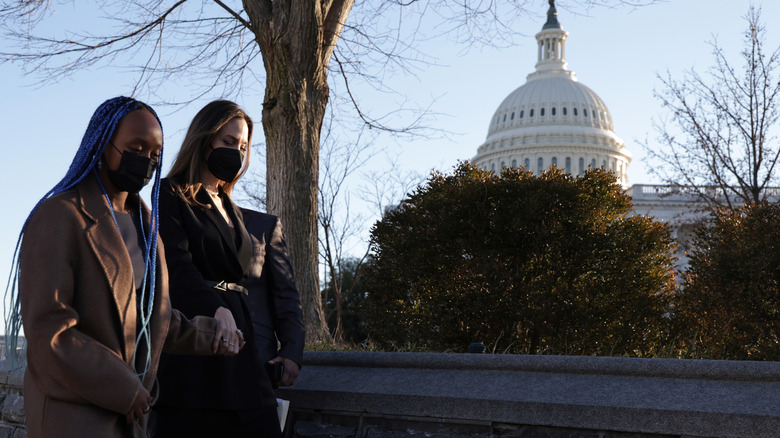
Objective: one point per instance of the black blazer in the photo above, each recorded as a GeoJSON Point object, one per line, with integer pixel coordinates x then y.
{"type": "Point", "coordinates": [273, 299]}
{"type": "Point", "coordinates": [200, 250]}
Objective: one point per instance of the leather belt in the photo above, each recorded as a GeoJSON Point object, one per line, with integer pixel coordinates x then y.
{"type": "Point", "coordinates": [233, 287]}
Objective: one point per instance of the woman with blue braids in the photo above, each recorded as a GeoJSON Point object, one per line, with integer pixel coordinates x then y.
{"type": "Point", "coordinates": [93, 287]}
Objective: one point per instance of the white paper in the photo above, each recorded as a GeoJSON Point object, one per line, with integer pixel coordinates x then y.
{"type": "Point", "coordinates": [282, 406]}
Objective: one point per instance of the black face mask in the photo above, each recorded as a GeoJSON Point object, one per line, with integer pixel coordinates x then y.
{"type": "Point", "coordinates": [225, 163]}
{"type": "Point", "coordinates": [133, 173]}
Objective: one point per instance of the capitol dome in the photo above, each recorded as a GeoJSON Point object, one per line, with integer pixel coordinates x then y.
{"type": "Point", "coordinates": [553, 119]}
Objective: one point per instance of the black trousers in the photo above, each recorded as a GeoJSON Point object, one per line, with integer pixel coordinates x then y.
{"type": "Point", "coordinates": [172, 422]}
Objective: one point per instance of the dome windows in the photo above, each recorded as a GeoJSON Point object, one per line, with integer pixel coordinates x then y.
{"type": "Point", "coordinates": [521, 113]}
{"type": "Point", "coordinates": [527, 164]}
{"type": "Point", "coordinates": [531, 113]}
{"type": "Point", "coordinates": [575, 111]}
{"type": "Point", "coordinates": [564, 111]}
{"type": "Point", "coordinates": [512, 117]}
{"type": "Point", "coordinates": [584, 112]}
{"type": "Point", "coordinates": [568, 164]}
{"type": "Point", "coordinates": [541, 112]}
{"type": "Point", "coordinates": [555, 161]}
{"type": "Point", "coordinates": [553, 110]}
{"type": "Point", "coordinates": [540, 164]}
{"type": "Point", "coordinates": [514, 163]}
{"type": "Point", "coordinates": [505, 117]}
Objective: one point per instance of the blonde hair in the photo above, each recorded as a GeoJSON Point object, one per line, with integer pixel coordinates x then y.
{"type": "Point", "coordinates": [191, 158]}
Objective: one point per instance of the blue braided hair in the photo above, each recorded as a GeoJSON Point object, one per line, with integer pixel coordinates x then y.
{"type": "Point", "coordinates": [101, 128]}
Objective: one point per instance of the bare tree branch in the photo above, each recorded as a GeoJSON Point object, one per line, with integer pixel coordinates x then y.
{"type": "Point", "coordinates": [235, 15]}
{"type": "Point", "coordinates": [726, 150]}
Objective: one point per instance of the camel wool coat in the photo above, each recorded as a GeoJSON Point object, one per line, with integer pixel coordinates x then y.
{"type": "Point", "coordinates": [79, 312]}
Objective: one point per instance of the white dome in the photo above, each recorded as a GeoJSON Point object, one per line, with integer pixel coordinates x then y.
{"type": "Point", "coordinates": [555, 99]}
{"type": "Point", "coordinates": [553, 120]}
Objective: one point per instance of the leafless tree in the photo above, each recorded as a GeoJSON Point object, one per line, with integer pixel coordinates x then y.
{"type": "Point", "coordinates": [337, 220]}
{"type": "Point", "coordinates": [343, 231]}
{"type": "Point", "coordinates": [386, 189]}
{"type": "Point", "coordinates": [718, 141]}
{"type": "Point", "coordinates": [220, 46]}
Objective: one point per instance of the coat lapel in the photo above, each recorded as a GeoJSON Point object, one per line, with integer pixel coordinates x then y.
{"type": "Point", "coordinates": [244, 243]}
{"type": "Point", "coordinates": [240, 250]}
{"type": "Point", "coordinates": [216, 218]}
{"type": "Point", "coordinates": [109, 248]}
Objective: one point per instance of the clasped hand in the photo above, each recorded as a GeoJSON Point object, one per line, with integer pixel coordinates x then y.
{"type": "Point", "coordinates": [229, 340]}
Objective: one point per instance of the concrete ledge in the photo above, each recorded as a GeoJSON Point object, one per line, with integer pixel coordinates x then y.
{"type": "Point", "coordinates": [649, 396]}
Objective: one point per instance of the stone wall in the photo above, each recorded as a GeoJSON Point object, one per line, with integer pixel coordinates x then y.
{"type": "Point", "coordinates": [12, 403]}
{"type": "Point", "coordinates": [394, 395]}
{"type": "Point", "coordinates": [476, 395]}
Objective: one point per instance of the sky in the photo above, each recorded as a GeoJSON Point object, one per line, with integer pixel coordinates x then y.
{"type": "Point", "coordinates": [617, 52]}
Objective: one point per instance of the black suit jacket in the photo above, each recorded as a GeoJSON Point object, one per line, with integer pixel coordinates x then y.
{"type": "Point", "coordinates": [200, 250]}
{"type": "Point", "coordinates": [273, 299]}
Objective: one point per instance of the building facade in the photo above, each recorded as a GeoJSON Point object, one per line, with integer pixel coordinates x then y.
{"type": "Point", "coordinates": [555, 120]}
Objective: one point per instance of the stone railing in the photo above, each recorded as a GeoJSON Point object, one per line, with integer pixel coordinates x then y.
{"type": "Point", "coordinates": [393, 395]}
{"type": "Point", "coordinates": [476, 395]}
{"type": "Point", "coordinates": [692, 194]}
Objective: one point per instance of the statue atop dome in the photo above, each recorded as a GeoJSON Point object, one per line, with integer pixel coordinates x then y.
{"type": "Point", "coordinates": [552, 17]}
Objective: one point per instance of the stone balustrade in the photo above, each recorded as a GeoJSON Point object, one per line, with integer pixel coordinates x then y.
{"type": "Point", "coordinates": [393, 395]}
{"type": "Point", "coordinates": [345, 394]}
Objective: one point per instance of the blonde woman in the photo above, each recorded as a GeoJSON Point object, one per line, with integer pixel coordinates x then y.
{"type": "Point", "coordinates": [208, 250]}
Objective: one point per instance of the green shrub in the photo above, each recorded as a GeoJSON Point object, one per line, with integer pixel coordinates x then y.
{"type": "Point", "coordinates": [526, 264]}
{"type": "Point", "coordinates": [728, 305]}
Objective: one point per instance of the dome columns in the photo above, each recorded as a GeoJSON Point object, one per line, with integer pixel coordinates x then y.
{"type": "Point", "coordinates": [574, 164]}
{"type": "Point", "coordinates": [553, 120]}
{"type": "Point", "coordinates": [551, 50]}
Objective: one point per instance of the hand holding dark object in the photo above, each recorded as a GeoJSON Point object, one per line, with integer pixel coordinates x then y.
{"type": "Point", "coordinates": [140, 405]}
{"type": "Point", "coordinates": [290, 371]}
{"type": "Point", "coordinates": [229, 340]}
{"type": "Point", "coordinates": [275, 370]}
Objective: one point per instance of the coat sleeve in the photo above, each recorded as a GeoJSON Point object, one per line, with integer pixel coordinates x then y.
{"type": "Point", "coordinates": [63, 361]}
{"type": "Point", "coordinates": [287, 315]}
{"type": "Point", "coordinates": [190, 336]}
{"type": "Point", "coordinates": [189, 291]}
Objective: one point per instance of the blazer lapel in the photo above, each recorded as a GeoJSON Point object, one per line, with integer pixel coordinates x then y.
{"type": "Point", "coordinates": [224, 230]}
{"type": "Point", "coordinates": [109, 248]}
{"type": "Point", "coordinates": [244, 243]}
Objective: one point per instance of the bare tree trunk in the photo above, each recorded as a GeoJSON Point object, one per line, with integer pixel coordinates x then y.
{"type": "Point", "coordinates": [338, 333]}
{"type": "Point", "coordinates": [297, 39]}
{"type": "Point", "coordinates": [336, 277]}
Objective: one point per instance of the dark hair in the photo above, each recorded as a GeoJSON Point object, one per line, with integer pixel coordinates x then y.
{"type": "Point", "coordinates": [100, 130]}
{"type": "Point", "coordinates": [192, 156]}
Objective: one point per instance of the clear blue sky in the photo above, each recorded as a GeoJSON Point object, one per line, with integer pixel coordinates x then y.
{"type": "Point", "coordinates": [616, 52]}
